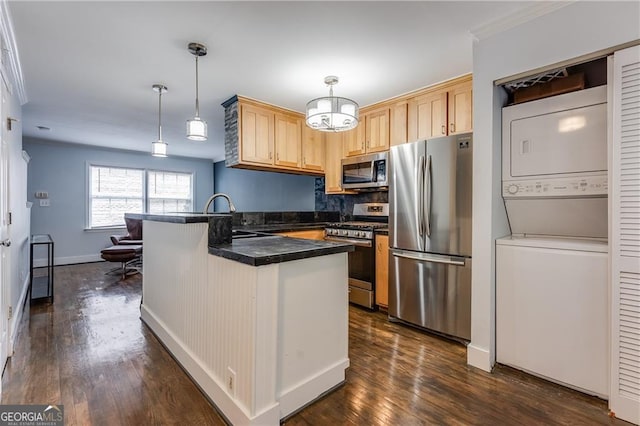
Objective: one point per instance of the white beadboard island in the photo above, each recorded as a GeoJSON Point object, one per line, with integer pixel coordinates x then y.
{"type": "Point", "coordinates": [261, 324]}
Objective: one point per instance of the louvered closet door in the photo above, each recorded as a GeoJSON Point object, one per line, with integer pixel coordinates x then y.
{"type": "Point", "coordinates": [625, 261]}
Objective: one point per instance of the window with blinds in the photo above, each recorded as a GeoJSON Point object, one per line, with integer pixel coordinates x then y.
{"type": "Point", "coordinates": [114, 191]}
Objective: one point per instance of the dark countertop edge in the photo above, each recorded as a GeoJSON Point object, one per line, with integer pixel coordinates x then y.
{"type": "Point", "coordinates": [282, 227]}
{"type": "Point", "coordinates": [174, 217]}
{"type": "Point", "coordinates": [204, 218]}
{"type": "Point", "coordinates": [227, 252]}
{"type": "Point", "coordinates": [382, 231]}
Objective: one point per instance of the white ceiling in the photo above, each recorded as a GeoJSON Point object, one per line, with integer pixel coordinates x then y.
{"type": "Point", "coordinates": [89, 65]}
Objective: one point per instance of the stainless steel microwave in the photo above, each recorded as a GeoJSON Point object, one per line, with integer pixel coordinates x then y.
{"type": "Point", "coordinates": [366, 172]}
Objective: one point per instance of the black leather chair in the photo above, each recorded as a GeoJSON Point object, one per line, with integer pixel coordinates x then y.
{"type": "Point", "coordinates": [126, 249]}
{"type": "Point", "coordinates": [133, 236]}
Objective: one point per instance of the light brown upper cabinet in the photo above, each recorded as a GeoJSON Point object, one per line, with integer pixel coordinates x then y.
{"type": "Point", "coordinates": [460, 103]}
{"type": "Point", "coordinates": [371, 135]}
{"type": "Point", "coordinates": [256, 134]}
{"type": "Point", "coordinates": [444, 110]}
{"type": "Point", "coordinates": [288, 140]}
{"type": "Point", "coordinates": [333, 163]}
{"type": "Point", "coordinates": [399, 123]}
{"type": "Point", "coordinates": [264, 137]}
{"type": "Point", "coordinates": [427, 115]}
{"type": "Point", "coordinates": [313, 149]}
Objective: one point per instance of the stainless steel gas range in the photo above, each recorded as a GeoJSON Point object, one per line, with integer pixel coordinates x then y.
{"type": "Point", "coordinates": [362, 262]}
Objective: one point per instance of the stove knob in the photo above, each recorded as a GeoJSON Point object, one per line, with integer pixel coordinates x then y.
{"type": "Point", "coordinates": [361, 234]}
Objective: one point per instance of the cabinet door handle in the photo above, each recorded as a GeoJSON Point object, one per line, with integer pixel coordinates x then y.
{"type": "Point", "coordinates": [270, 155]}
{"type": "Point", "coordinates": [444, 129]}
{"type": "Point", "coordinates": [452, 127]}
{"type": "Point", "coordinates": [278, 156]}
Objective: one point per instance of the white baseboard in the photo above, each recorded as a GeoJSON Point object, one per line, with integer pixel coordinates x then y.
{"type": "Point", "coordinates": [215, 391]}
{"type": "Point", "coordinates": [312, 388]}
{"type": "Point", "coordinates": [17, 315]}
{"type": "Point", "coordinates": [69, 260]}
{"type": "Point", "coordinates": [479, 357]}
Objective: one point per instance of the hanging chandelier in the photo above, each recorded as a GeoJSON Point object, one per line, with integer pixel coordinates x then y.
{"type": "Point", "coordinates": [196, 127]}
{"type": "Point", "coordinates": [159, 147]}
{"type": "Point", "coordinates": [332, 113]}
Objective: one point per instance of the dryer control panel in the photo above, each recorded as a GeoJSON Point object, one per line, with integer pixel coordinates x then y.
{"type": "Point", "coordinates": [586, 186]}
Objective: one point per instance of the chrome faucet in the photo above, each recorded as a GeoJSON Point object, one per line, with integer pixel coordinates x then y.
{"type": "Point", "coordinates": [232, 208]}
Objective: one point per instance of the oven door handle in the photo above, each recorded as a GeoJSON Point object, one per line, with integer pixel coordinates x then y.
{"type": "Point", "coordinates": [427, 257]}
{"type": "Point", "coordinates": [360, 243]}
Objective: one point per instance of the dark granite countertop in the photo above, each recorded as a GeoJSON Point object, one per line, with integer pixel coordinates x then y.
{"type": "Point", "coordinates": [260, 250]}
{"type": "Point", "coordinates": [175, 217]}
{"type": "Point", "coordinates": [382, 231]}
{"type": "Point", "coordinates": [264, 250]}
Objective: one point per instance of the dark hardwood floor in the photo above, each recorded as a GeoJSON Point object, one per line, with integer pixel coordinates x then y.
{"type": "Point", "coordinates": [91, 353]}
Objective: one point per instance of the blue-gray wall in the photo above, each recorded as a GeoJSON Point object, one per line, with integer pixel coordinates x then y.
{"type": "Point", "coordinates": [254, 191]}
{"type": "Point", "coordinates": [60, 169]}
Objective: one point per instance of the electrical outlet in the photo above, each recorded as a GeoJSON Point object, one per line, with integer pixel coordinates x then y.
{"type": "Point", "coordinates": [231, 381]}
{"type": "Point", "coordinates": [45, 203]}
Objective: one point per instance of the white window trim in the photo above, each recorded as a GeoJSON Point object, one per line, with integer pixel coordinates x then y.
{"type": "Point", "coordinates": [145, 199]}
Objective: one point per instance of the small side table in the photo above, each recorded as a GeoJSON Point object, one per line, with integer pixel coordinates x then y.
{"type": "Point", "coordinates": [41, 288]}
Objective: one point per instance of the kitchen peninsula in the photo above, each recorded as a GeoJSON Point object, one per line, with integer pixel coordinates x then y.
{"type": "Point", "coordinates": [260, 324]}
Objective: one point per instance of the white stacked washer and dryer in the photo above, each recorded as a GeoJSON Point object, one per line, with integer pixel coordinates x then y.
{"type": "Point", "coordinates": [552, 314]}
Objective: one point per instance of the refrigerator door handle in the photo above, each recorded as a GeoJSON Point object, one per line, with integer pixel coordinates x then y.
{"type": "Point", "coordinates": [421, 196]}
{"type": "Point", "coordinates": [429, 189]}
{"type": "Point", "coordinates": [427, 257]}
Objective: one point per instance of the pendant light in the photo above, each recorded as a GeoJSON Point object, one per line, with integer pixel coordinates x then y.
{"type": "Point", "coordinates": [332, 113]}
{"type": "Point", "coordinates": [196, 127]}
{"type": "Point", "coordinates": [159, 147]}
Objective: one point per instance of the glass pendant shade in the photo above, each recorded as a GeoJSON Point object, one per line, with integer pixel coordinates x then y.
{"type": "Point", "coordinates": [197, 129]}
{"type": "Point", "coordinates": [159, 149]}
{"type": "Point", "coordinates": [332, 113]}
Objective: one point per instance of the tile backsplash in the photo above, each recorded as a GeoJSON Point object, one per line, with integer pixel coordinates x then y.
{"type": "Point", "coordinates": [344, 203]}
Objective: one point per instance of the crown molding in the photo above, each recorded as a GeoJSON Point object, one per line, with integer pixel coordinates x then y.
{"type": "Point", "coordinates": [12, 65]}
{"type": "Point", "coordinates": [517, 18]}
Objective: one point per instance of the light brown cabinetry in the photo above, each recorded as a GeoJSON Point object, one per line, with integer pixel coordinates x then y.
{"type": "Point", "coordinates": [307, 234]}
{"type": "Point", "coordinates": [313, 149]}
{"type": "Point", "coordinates": [371, 135]}
{"type": "Point", "coordinates": [399, 123]}
{"type": "Point", "coordinates": [382, 270]}
{"type": "Point", "coordinates": [288, 140]}
{"type": "Point", "coordinates": [427, 116]}
{"type": "Point", "coordinates": [256, 134]}
{"type": "Point", "coordinates": [445, 110]}
{"type": "Point", "coordinates": [264, 137]}
{"type": "Point", "coordinates": [460, 103]}
{"type": "Point", "coordinates": [333, 163]}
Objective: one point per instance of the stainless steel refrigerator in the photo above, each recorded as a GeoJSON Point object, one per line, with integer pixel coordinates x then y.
{"type": "Point", "coordinates": [430, 234]}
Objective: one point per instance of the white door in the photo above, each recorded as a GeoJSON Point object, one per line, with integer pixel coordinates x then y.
{"type": "Point", "coordinates": [5, 238]}
{"type": "Point", "coordinates": [624, 196]}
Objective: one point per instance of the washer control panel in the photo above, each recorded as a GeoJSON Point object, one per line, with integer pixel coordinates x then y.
{"type": "Point", "coordinates": [589, 186]}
